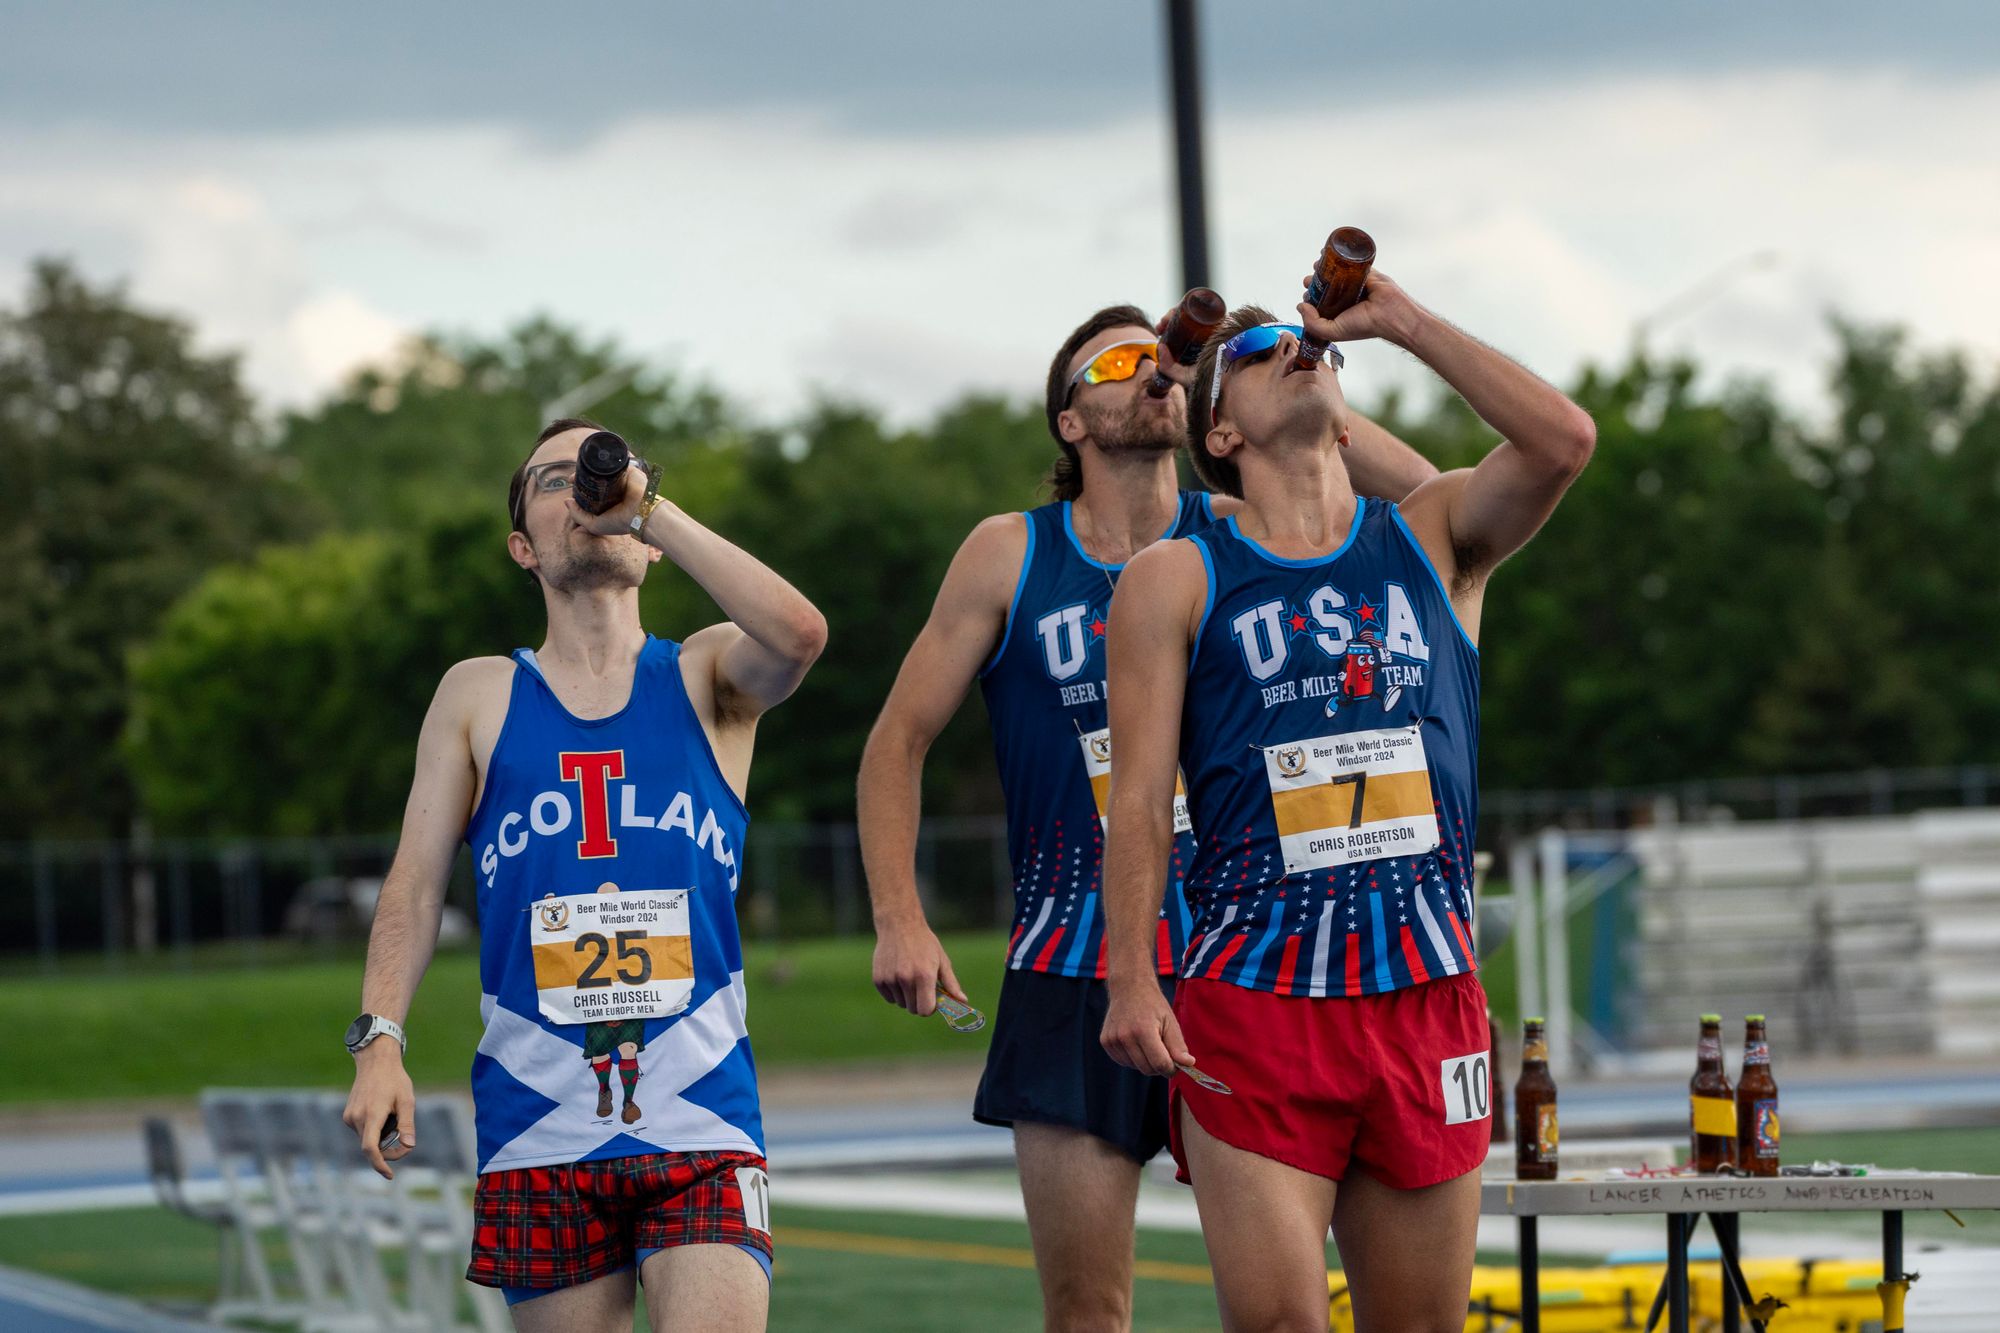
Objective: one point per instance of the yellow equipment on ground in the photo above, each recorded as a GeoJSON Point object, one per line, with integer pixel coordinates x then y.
{"type": "Point", "coordinates": [1825, 1296]}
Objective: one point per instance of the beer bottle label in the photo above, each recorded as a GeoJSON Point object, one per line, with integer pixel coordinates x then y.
{"type": "Point", "coordinates": [1545, 1132]}
{"type": "Point", "coordinates": [1758, 1053]}
{"type": "Point", "coordinates": [1708, 1048]}
{"type": "Point", "coordinates": [1765, 1121]}
{"type": "Point", "coordinates": [1714, 1115]}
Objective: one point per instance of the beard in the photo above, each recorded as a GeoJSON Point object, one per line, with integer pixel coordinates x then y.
{"type": "Point", "coordinates": [586, 563]}
{"type": "Point", "coordinates": [1135, 428]}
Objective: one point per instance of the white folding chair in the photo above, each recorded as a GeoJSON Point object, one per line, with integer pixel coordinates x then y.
{"type": "Point", "coordinates": [434, 1184]}
{"type": "Point", "coordinates": [232, 1130]}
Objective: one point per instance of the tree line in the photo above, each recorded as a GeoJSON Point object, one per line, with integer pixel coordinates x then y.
{"type": "Point", "coordinates": [225, 625]}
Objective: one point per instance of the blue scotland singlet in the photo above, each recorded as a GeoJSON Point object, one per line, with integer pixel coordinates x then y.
{"type": "Point", "coordinates": [1044, 690]}
{"type": "Point", "coordinates": [607, 853]}
{"type": "Point", "coordinates": [1330, 744]}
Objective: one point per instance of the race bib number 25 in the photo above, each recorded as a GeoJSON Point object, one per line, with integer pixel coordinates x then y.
{"type": "Point", "coordinates": [1351, 797]}
{"type": "Point", "coordinates": [612, 957]}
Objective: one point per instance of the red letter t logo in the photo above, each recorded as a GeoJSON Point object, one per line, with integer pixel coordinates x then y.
{"type": "Point", "coordinates": [593, 773]}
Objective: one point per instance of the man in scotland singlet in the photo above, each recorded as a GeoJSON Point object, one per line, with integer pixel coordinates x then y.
{"type": "Point", "coordinates": [1022, 610]}
{"type": "Point", "coordinates": [598, 781]}
{"type": "Point", "coordinates": [1308, 671]}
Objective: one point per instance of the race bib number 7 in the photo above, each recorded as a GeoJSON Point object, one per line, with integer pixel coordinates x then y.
{"type": "Point", "coordinates": [612, 957]}
{"type": "Point", "coordinates": [1353, 797]}
{"type": "Point", "coordinates": [1097, 763]}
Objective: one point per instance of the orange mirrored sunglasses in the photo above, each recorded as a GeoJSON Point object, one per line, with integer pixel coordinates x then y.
{"type": "Point", "coordinates": [1120, 361]}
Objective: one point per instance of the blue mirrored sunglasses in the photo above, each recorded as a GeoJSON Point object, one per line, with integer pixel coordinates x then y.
{"type": "Point", "coordinates": [1250, 342]}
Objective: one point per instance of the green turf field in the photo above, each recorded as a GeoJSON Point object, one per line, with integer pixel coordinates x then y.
{"type": "Point", "coordinates": [158, 1031]}
{"type": "Point", "coordinates": [836, 1271]}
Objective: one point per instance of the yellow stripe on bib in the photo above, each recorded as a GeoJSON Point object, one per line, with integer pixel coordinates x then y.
{"type": "Point", "coordinates": [563, 964]}
{"type": "Point", "coordinates": [1330, 805]}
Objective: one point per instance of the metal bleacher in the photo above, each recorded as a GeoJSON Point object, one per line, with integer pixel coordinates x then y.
{"type": "Point", "coordinates": [1871, 935]}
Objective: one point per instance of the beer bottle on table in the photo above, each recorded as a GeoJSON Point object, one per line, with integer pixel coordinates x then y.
{"type": "Point", "coordinates": [1338, 281]}
{"type": "Point", "coordinates": [1186, 329]}
{"type": "Point", "coordinates": [1712, 1106]}
{"type": "Point", "coordinates": [1535, 1136]}
{"type": "Point", "coordinates": [601, 461]}
{"type": "Point", "coordinates": [1756, 1103]}
{"type": "Point", "coordinates": [1499, 1088]}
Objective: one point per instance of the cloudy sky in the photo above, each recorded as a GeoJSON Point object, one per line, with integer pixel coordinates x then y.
{"type": "Point", "coordinates": [899, 201]}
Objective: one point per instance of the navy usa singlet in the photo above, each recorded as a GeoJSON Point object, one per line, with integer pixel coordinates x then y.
{"type": "Point", "coordinates": [1330, 742]}
{"type": "Point", "coordinates": [1044, 689]}
{"type": "Point", "coordinates": [608, 854]}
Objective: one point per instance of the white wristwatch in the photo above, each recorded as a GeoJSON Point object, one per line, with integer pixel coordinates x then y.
{"type": "Point", "coordinates": [370, 1026]}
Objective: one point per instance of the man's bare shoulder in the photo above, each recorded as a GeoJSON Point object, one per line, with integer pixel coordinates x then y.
{"type": "Point", "coordinates": [1427, 510]}
{"type": "Point", "coordinates": [997, 539]}
{"type": "Point", "coordinates": [988, 563]}
{"type": "Point", "coordinates": [1430, 503]}
{"type": "Point", "coordinates": [1166, 569]}
{"type": "Point", "coordinates": [471, 687]}
{"type": "Point", "coordinates": [1222, 506]}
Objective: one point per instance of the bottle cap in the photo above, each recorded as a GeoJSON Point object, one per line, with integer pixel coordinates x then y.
{"type": "Point", "coordinates": [1538, 1022]}
{"type": "Point", "coordinates": [1753, 1018]}
{"type": "Point", "coordinates": [1711, 1018]}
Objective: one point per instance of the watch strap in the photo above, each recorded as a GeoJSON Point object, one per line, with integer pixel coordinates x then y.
{"type": "Point", "coordinates": [379, 1026]}
{"type": "Point", "coordinates": [649, 501]}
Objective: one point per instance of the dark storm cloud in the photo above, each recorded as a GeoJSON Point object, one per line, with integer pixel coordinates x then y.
{"type": "Point", "coordinates": [234, 66]}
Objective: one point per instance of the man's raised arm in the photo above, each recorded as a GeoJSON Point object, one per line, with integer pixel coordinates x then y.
{"type": "Point", "coordinates": [964, 628]}
{"type": "Point", "coordinates": [1153, 618]}
{"type": "Point", "coordinates": [1492, 510]}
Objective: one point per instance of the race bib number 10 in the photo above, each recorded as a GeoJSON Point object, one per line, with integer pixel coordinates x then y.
{"type": "Point", "coordinates": [613, 957]}
{"type": "Point", "coordinates": [1097, 763]}
{"type": "Point", "coordinates": [1353, 797]}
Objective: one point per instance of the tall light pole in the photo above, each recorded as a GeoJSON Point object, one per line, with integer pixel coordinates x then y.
{"type": "Point", "coordinates": [1184, 92]}
{"type": "Point", "coordinates": [1698, 294]}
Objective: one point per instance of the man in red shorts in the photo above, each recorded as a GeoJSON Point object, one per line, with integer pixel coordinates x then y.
{"type": "Point", "coordinates": [1309, 663]}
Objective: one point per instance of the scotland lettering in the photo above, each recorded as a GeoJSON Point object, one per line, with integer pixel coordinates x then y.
{"type": "Point", "coordinates": [552, 814]}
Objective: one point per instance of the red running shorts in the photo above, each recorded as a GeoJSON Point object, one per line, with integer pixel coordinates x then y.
{"type": "Point", "coordinates": [1397, 1082]}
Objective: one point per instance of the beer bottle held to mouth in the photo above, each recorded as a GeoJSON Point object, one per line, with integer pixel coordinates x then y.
{"type": "Point", "coordinates": [1339, 279]}
{"type": "Point", "coordinates": [1711, 1103]}
{"type": "Point", "coordinates": [1186, 329]}
{"type": "Point", "coordinates": [1536, 1137]}
{"type": "Point", "coordinates": [1756, 1103]}
{"type": "Point", "coordinates": [601, 461]}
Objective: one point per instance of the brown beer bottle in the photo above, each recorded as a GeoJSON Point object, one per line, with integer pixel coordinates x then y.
{"type": "Point", "coordinates": [1712, 1106]}
{"type": "Point", "coordinates": [601, 461]}
{"type": "Point", "coordinates": [1499, 1088]}
{"type": "Point", "coordinates": [1535, 1136]}
{"type": "Point", "coordinates": [1756, 1103]}
{"type": "Point", "coordinates": [1188, 326]}
{"type": "Point", "coordinates": [1337, 282]}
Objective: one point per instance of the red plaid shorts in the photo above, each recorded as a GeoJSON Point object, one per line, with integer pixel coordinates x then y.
{"type": "Point", "coordinates": [560, 1226]}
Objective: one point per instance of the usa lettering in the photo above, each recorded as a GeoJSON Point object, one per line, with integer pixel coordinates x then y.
{"type": "Point", "coordinates": [1065, 641]}
{"type": "Point", "coordinates": [1338, 628]}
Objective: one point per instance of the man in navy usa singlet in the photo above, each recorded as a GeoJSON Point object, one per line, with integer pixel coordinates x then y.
{"type": "Point", "coordinates": [1023, 611]}
{"type": "Point", "coordinates": [598, 781]}
{"type": "Point", "coordinates": [1307, 670]}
